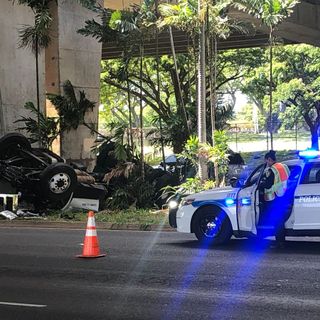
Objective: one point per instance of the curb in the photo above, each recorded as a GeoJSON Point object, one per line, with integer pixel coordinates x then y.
{"type": "Point", "coordinates": [82, 225]}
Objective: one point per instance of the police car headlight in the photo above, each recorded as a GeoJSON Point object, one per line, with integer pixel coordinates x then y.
{"type": "Point", "coordinates": [173, 204]}
{"type": "Point", "coordinates": [229, 202]}
{"type": "Point", "coordinates": [187, 202]}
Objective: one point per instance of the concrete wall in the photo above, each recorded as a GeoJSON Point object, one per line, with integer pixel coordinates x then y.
{"type": "Point", "coordinates": [17, 67]}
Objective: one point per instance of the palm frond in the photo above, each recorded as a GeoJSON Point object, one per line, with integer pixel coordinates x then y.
{"type": "Point", "coordinates": [89, 4]}
{"type": "Point", "coordinates": [37, 37]}
{"type": "Point", "coordinates": [71, 110]}
{"type": "Point", "coordinates": [46, 130]}
{"type": "Point", "coordinates": [121, 170]}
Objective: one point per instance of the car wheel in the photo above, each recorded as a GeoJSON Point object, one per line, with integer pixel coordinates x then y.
{"type": "Point", "coordinates": [212, 225]}
{"type": "Point", "coordinates": [11, 143]}
{"type": "Point", "coordinates": [57, 182]}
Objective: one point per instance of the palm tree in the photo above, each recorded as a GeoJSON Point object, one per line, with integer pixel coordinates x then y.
{"type": "Point", "coordinates": [200, 18]}
{"type": "Point", "coordinates": [202, 130]}
{"type": "Point", "coordinates": [130, 29]}
{"type": "Point", "coordinates": [36, 37]}
{"type": "Point", "coordinates": [271, 13]}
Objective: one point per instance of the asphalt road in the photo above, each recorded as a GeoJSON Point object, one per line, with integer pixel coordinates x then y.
{"type": "Point", "coordinates": [154, 275]}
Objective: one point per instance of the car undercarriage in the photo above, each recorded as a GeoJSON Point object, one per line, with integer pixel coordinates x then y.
{"type": "Point", "coordinates": [41, 178]}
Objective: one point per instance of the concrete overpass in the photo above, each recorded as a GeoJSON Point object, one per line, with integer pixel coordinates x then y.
{"type": "Point", "coordinates": [302, 27]}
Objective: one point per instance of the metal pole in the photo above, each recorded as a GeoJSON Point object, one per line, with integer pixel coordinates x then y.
{"type": "Point", "coordinates": [237, 138]}
{"type": "Point", "coordinates": [296, 134]}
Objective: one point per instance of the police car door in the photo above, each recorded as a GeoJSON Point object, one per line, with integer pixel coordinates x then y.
{"type": "Point", "coordinates": [248, 202]}
{"type": "Point", "coordinates": [307, 199]}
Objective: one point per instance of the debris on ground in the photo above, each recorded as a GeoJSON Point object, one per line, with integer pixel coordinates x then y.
{"type": "Point", "coordinates": [8, 214]}
{"type": "Point", "coordinates": [20, 213]}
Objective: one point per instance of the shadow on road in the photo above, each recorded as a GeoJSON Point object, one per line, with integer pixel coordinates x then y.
{"type": "Point", "coordinates": [254, 245]}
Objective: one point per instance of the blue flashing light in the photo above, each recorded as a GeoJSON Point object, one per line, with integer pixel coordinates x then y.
{"type": "Point", "coordinates": [246, 202]}
{"type": "Point", "coordinates": [309, 154]}
{"type": "Point", "coordinates": [229, 201]}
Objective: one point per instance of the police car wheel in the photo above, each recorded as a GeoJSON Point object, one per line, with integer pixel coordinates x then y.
{"type": "Point", "coordinates": [213, 225]}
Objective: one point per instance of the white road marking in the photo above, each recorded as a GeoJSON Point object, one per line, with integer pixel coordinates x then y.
{"type": "Point", "coordinates": [23, 304]}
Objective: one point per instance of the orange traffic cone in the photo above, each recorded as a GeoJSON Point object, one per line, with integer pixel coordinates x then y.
{"type": "Point", "coordinates": [91, 244]}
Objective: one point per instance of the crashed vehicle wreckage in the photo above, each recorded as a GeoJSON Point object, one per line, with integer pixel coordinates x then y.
{"type": "Point", "coordinates": [42, 178]}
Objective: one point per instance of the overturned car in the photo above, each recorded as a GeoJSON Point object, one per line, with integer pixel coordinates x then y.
{"type": "Point", "coordinates": [41, 177]}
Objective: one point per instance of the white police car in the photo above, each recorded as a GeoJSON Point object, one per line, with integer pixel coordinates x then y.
{"type": "Point", "coordinates": [219, 213]}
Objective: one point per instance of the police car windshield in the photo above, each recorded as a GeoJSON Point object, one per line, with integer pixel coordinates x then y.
{"type": "Point", "coordinates": [311, 173]}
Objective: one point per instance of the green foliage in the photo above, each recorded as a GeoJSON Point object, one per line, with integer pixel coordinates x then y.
{"type": "Point", "coordinates": [123, 150]}
{"type": "Point", "coordinates": [191, 150]}
{"type": "Point", "coordinates": [185, 16]}
{"type": "Point", "coordinates": [45, 131]}
{"type": "Point", "coordinates": [127, 27]}
{"type": "Point", "coordinates": [38, 36]}
{"type": "Point", "coordinates": [100, 31]}
{"type": "Point", "coordinates": [131, 28]}
{"type": "Point", "coordinates": [142, 217]}
{"type": "Point", "coordinates": [232, 66]}
{"type": "Point", "coordinates": [271, 12]}
{"type": "Point", "coordinates": [71, 110]}
{"type": "Point", "coordinates": [89, 4]}
{"type": "Point", "coordinates": [192, 185]}
{"type": "Point", "coordinates": [218, 154]}
{"type": "Point", "coordinates": [71, 113]}
{"type": "Point", "coordinates": [298, 92]}
{"type": "Point", "coordinates": [130, 191]}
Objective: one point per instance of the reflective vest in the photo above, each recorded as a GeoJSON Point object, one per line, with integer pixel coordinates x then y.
{"type": "Point", "coordinates": [281, 174]}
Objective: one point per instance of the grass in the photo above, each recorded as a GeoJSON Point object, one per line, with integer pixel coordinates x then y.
{"type": "Point", "coordinates": [281, 155]}
{"type": "Point", "coordinates": [247, 136]}
{"type": "Point", "coordinates": [130, 216]}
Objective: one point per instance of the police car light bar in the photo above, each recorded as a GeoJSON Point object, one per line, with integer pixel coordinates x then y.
{"type": "Point", "coordinates": [309, 154]}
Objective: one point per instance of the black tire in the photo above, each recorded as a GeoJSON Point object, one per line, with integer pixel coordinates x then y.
{"type": "Point", "coordinates": [11, 143]}
{"type": "Point", "coordinates": [212, 225]}
{"type": "Point", "coordinates": [57, 182]}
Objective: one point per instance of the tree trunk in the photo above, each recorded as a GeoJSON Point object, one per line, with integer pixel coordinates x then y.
{"type": "Point", "coordinates": [2, 123]}
{"type": "Point", "coordinates": [314, 138]}
{"type": "Point", "coordinates": [130, 115]}
{"type": "Point", "coordinates": [158, 87]}
{"type": "Point", "coordinates": [38, 90]}
{"type": "Point", "coordinates": [270, 90]}
{"type": "Point", "coordinates": [141, 114]}
{"type": "Point", "coordinates": [203, 169]}
{"type": "Point", "coordinates": [213, 97]}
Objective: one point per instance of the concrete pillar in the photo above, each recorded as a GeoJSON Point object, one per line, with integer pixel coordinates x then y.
{"type": "Point", "coordinates": [17, 67]}
{"type": "Point", "coordinates": [74, 57]}
{"type": "Point", "coordinates": [70, 56]}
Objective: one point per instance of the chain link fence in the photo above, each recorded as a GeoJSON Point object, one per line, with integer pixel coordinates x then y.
{"type": "Point", "coordinates": [242, 138]}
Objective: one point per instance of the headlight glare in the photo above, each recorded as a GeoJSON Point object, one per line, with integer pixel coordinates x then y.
{"type": "Point", "coordinates": [173, 204]}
